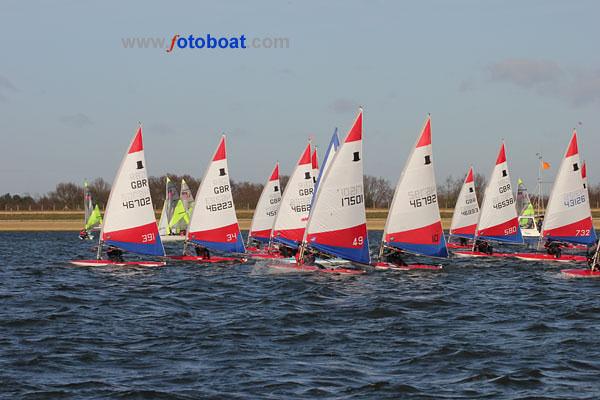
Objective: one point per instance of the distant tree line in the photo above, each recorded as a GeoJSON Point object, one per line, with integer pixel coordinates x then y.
{"type": "Point", "coordinates": [378, 193]}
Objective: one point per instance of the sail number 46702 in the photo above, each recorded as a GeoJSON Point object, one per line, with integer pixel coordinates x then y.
{"type": "Point", "coordinates": [144, 201]}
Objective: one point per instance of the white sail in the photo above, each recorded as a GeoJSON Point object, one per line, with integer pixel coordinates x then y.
{"type": "Point", "coordinates": [498, 218]}
{"type": "Point", "coordinates": [568, 216]}
{"type": "Point", "coordinates": [266, 209]}
{"type": "Point", "coordinates": [292, 216]}
{"type": "Point", "coordinates": [337, 224]}
{"type": "Point", "coordinates": [129, 220]}
{"type": "Point", "coordinates": [414, 224]}
{"type": "Point", "coordinates": [214, 222]}
{"type": "Point", "coordinates": [466, 210]}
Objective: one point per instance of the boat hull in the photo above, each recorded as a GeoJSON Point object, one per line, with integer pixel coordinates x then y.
{"type": "Point", "coordinates": [549, 257]}
{"type": "Point", "coordinates": [105, 263]}
{"type": "Point", "coordinates": [476, 254]}
{"type": "Point", "coordinates": [211, 260]}
{"type": "Point", "coordinates": [581, 273]}
{"type": "Point", "coordinates": [172, 238]}
{"type": "Point", "coordinates": [410, 267]}
{"type": "Point", "coordinates": [313, 268]}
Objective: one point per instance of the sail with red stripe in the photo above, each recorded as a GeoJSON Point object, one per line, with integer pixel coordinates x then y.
{"type": "Point", "coordinates": [292, 216]}
{"type": "Point", "coordinates": [315, 164]}
{"type": "Point", "coordinates": [498, 219]}
{"type": "Point", "coordinates": [266, 209]}
{"type": "Point", "coordinates": [129, 220]}
{"type": "Point", "coordinates": [568, 216]}
{"type": "Point", "coordinates": [214, 223]}
{"type": "Point", "coordinates": [414, 224]}
{"type": "Point", "coordinates": [337, 224]}
{"type": "Point", "coordinates": [466, 210]}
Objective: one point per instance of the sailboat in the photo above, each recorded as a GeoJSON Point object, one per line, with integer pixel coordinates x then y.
{"type": "Point", "coordinates": [213, 224]}
{"type": "Point", "coordinates": [180, 219]}
{"type": "Point", "coordinates": [92, 217]}
{"type": "Point", "coordinates": [568, 217]}
{"type": "Point", "coordinates": [526, 212]}
{"type": "Point", "coordinates": [186, 197]}
{"type": "Point", "coordinates": [413, 224]}
{"type": "Point", "coordinates": [290, 222]}
{"type": "Point", "coordinates": [336, 225]}
{"type": "Point", "coordinates": [466, 213]}
{"type": "Point", "coordinates": [265, 211]}
{"type": "Point", "coordinates": [171, 200]}
{"type": "Point", "coordinates": [129, 221]}
{"type": "Point", "coordinates": [498, 220]}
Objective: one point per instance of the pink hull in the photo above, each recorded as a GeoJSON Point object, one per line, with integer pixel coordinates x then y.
{"type": "Point", "coordinates": [581, 273]}
{"type": "Point", "coordinates": [211, 260]}
{"type": "Point", "coordinates": [465, 253]}
{"type": "Point", "coordinates": [548, 257]}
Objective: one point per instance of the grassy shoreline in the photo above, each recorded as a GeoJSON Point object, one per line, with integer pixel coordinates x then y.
{"type": "Point", "coordinates": [41, 221]}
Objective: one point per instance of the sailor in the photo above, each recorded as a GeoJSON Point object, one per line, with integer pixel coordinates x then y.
{"type": "Point", "coordinates": [394, 256]}
{"type": "Point", "coordinates": [553, 248]}
{"type": "Point", "coordinates": [309, 258]}
{"type": "Point", "coordinates": [202, 252]}
{"type": "Point", "coordinates": [483, 247]}
{"type": "Point", "coordinates": [83, 234]}
{"type": "Point", "coordinates": [114, 254]}
{"type": "Point", "coordinates": [463, 241]}
{"type": "Point", "coordinates": [593, 261]}
{"type": "Point", "coordinates": [539, 224]}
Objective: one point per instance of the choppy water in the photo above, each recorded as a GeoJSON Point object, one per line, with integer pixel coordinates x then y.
{"type": "Point", "coordinates": [479, 329]}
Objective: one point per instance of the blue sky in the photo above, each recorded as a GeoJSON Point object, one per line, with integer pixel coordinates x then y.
{"type": "Point", "coordinates": [71, 95]}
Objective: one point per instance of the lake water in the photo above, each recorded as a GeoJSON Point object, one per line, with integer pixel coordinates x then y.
{"type": "Point", "coordinates": [478, 329]}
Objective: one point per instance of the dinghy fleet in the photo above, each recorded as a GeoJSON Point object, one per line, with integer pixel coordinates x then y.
{"type": "Point", "coordinates": [318, 222]}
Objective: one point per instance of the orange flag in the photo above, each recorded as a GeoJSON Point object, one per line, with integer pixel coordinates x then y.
{"type": "Point", "coordinates": [545, 165]}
